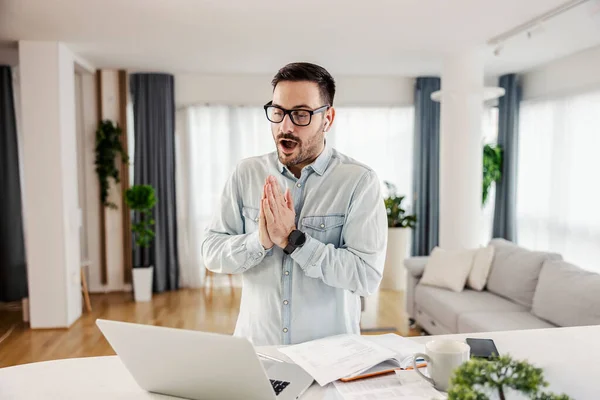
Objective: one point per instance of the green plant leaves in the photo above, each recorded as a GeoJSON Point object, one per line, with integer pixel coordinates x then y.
{"type": "Point", "coordinates": [492, 169]}
{"type": "Point", "coordinates": [476, 379]}
{"type": "Point", "coordinates": [108, 147]}
{"type": "Point", "coordinates": [142, 199]}
{"type": "Point", "coordinates": [396, 214]}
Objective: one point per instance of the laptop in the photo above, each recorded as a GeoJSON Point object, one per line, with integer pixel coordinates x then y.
{"type": "Point", "coordinates": [200, 365]}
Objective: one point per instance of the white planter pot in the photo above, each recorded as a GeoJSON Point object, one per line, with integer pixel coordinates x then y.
{"type": "Point", "coordinates": [142, 283]}
{"type": "Point", "coordinates": [394, 273]}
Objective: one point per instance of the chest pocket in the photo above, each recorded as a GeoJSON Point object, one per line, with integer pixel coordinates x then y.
{"type": "Point", "coordinates": [326, 228]}
{"type": "Point", "coordinates": [250, 219]}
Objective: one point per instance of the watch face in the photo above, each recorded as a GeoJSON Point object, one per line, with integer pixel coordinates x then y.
{"type": "Point", "coordinates": [297, 238]}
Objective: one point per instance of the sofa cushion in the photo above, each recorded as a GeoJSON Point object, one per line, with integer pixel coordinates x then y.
{"type": "Point", "coordinates": [482, 263]}
{"type": "Point", "coordinates": [448, 269]}
{"type": "Point", "coordinates": [445, 305]}
{"type": "Point", "coordinates": [515, 271]}
{"type": "Point", "coordinates": [484, 321]}
{"type": "Point", "coordinates": [567, 295]}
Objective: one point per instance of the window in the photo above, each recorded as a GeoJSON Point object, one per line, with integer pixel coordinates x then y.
{"type": "Point", "coordinates": [558, 190]}
{"type": "Point", "coordinates": [211, 140]}
{"type": "Point", "coordinates": [380, 137]}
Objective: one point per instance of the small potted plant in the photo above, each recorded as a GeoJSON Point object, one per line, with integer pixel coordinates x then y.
{"type": "Point", "coordinates": [499, 379]}
{"type": "Point", "coordinates": [141, 199]}
{"type": "Point", "coordinates": [399, 225]}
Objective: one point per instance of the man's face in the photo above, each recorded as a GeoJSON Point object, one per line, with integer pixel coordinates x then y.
{"type": "Point", "coordinates": [299, 145]}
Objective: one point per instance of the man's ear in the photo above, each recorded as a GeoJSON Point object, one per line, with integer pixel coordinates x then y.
{"type": "Point", "coordinates": [329, 117]}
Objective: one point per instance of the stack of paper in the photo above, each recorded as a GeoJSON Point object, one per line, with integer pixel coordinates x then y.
{"type": "Point", "coordinates": [388, 387]}
{"type": "Point", "coordinates": [332, 358]}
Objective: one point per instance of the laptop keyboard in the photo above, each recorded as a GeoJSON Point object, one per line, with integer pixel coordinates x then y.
{"type": "Point", "coordinates": [278, 386]}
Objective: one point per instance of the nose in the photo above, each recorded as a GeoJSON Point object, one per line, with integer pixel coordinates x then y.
{"type": "Point", "coordinates": [287, 125]}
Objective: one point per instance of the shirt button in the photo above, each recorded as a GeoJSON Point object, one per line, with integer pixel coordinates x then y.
{"type": "Point", "coordinates": [256, 220]}
{"type": "Point", "coordinates": [284, 330]}
{"type": "Point", "coordinates": [299, 184]}
{"type": "Point", "coordinates": [322, 225]}
{"type": "Point", "coordinates": [260, 254]}
{"type": "Point", "coordinates": [287, 273]}
{"type": "Point", "coordinates": [285, 302]}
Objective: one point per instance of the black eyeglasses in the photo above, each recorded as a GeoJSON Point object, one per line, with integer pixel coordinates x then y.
{"type": "Point", "coordinates": [299, 117]}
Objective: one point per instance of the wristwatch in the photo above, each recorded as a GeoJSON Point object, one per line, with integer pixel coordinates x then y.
{"type": "Point", "coordinates": [295, 240]}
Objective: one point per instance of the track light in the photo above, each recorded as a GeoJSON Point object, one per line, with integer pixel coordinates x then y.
{"type": "Point", "coordinates": [498, 50]}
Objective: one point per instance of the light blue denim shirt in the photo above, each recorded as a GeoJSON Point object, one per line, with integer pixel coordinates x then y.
{"type": "Point", "coordinates": [315, 291]}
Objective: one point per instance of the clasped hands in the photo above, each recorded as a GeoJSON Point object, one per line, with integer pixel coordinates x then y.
{"type": "Point", "coordinates": [277, 218]}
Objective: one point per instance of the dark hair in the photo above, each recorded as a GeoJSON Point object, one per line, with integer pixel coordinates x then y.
{"type": "Point", "coordinates": [302, 71]}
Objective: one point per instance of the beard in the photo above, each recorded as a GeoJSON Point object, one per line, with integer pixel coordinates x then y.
{"type": "Point", "coordinates": [302, 151]}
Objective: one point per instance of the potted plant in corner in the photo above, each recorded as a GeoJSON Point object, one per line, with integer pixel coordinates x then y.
{"type": "Point", "coordinates": [399, 226]}
{"type": "Point", "coordinates": [141, 199]}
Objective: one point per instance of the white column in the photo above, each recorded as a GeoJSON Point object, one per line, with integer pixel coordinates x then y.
{"type": "Point", "coordinates": [51, 209]}
{"type": "Point", "coordinates": [460, 150]}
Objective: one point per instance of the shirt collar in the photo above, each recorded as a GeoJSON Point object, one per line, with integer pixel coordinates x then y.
{"type": "Point", "coordinates": [319, 165]}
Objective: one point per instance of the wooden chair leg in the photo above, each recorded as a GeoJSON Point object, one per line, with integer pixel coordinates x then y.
{"type": "Point", "coordinates": [210, 281]}
{"type": "Point", "coordinates": [86, 294]}
{"type": "Point", "coordinates": [231, 284]}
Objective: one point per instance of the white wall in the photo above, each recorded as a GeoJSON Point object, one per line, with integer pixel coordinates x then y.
{"type": "Point", "coordinates": [256, 90]}
{"type": "Point", "coordinates": [576, 73]}
{"type": "Point", "coordinates": [51, 211]}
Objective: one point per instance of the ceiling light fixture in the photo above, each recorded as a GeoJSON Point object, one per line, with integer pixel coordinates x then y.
{"type": "Point", "coordinates": [534, 24]}
{"type": "Point", "coordinates": [489, 93]}
{"type": "Point", "coordinates": [498, 50]}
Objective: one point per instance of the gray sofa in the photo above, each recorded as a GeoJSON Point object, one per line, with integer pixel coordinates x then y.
{"type": "Point", "coordinates": [525, 290]}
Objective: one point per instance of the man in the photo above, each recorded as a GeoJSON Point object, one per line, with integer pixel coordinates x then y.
{"type": "Point", "coordinates": [306, 225]}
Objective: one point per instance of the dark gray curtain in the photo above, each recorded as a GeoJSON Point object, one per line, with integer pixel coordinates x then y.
{"type": "Point", "coordinates": [13, 271]}
{"type": "Point", "coordinates": [154, 164]}
{"type": "Point", "coordinates": [505, 211]}
{"type": "Point", "coordinates": [426, 178]}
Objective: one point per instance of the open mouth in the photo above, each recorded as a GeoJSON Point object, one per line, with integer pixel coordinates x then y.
{"type": "Point", "coordinates": [287, 145]}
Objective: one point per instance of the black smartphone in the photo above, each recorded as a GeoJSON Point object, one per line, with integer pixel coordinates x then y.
{"type": "Point", "coordinates": [483, 348]}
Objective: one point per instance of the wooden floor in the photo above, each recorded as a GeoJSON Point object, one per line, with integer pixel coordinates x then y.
{"type": "Point", "coordinates": [188, 309]}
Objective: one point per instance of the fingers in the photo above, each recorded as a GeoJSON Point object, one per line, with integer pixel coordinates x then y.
{"type": "Point", "coordinates": [288, 199]}
{"type": "Point", "coordinates": [270, 219]}
{"type": "Point", "coordinates": [272, 202]}
{"type": "Point", "coordinates": [275, 184]}
{"type": "Point", "coordinates": [279, 197]}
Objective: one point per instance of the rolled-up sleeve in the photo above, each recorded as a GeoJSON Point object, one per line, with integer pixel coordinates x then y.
{"type": "Point", "coordinates": [226, 248]}
{"type": "Point", "coordinates": [358, 264]}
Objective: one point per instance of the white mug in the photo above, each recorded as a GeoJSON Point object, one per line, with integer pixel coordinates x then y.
{"type": "Point", "coordinates": [443, 357]}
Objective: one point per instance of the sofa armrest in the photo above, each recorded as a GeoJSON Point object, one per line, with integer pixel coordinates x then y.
{"type": "Point", "coordinates": [415, 266]}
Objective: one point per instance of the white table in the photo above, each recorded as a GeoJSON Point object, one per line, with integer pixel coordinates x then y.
{"type": "Point", "coordinates": [569, 357]}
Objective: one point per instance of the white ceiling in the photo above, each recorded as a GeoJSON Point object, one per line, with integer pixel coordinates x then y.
{"type": "Point", "coordinates": [378, 37]}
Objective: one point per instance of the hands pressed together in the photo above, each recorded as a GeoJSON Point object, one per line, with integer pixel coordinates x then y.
{"type": "Point", "coordinates": [277, 216]}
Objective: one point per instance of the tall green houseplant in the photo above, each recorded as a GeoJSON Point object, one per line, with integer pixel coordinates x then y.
{"type": "Point", "coordinates": [396, 213]}
{"type": "Point", "coordinates": [142, 199]}
{"type": "Point", "coordinates": [108, 147]}
{"type": "Point", "coordinates": [492, 169]}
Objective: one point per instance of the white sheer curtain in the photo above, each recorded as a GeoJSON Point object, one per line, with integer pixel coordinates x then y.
{"type": "Point", "coordinates": [380, 137]}
{"type": "Point", "coordinates": [212, 139]}
{"type": "Point", "coordinates": [558, 185]}
{"type": "Point", "coordinates": [210, 142]}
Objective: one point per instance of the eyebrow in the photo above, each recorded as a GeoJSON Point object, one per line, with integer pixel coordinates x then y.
{"type": "Point", "coordinates": [295, 107]}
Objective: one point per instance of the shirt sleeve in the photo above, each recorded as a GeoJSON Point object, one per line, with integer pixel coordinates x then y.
{"type": "Point", "coordinates": [357, 266]}
{"type": "Point", "coordinates": [226, 248]}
